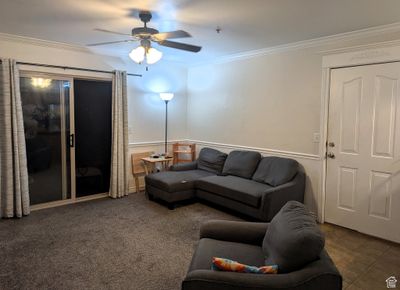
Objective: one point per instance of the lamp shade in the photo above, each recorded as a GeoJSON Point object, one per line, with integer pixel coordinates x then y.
{"type": "Point", "coordinates": [153, 55]}
{"type": "Point", "coordinates": [137, 54]}
{"type": "Point", "coordinates": [166, 96]}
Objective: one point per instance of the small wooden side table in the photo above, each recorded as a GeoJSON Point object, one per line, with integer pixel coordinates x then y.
{"type": "Point", "coordinates": [186, 149]}
{"type": "Point", "coordinates": [150, 163]}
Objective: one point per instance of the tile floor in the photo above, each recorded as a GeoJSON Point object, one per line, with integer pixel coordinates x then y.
{"type": "Point", "coordinates": [364, 261]}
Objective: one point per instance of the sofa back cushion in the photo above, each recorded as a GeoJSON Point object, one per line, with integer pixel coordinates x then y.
{"type": "Point", "coordinates": [293, 238]}
{"type": "Point", "coordinates": [241, 163]}
{"type": "Point", "coordinates": [275, 171]}
{"type": "Point", "coordinates": [211, 160]}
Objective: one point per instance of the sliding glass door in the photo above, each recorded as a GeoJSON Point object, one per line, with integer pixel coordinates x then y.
{"type": "Point", "coordinates": [46, 104]}
{"type": "Point", "coordinates": [92, 107]}
{"type": "Point", "coordinates": [68, 136]}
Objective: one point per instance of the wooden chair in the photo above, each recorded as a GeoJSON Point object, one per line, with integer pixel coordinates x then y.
{"type": "Point", "coordinates": [138, 168]}
{"type": "Point", "coordinates": [185, 149]}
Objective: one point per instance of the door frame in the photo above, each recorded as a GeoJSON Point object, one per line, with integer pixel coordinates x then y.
{"type": "Point", "coordinates": [62, 74]}
{"type": "Point", "coordinates": [376, 53]}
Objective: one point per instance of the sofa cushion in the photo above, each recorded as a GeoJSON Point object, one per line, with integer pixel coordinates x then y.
{"type": "Point", "coordinates": [236, 188]}
{"type": "Point", "coordinates": [275, 170]}
{"type": "Point", "coordinates": [173, 181]}
{"type": "Point", "coordinates": [211, 160]}
{"type": "Point", "coordinates": [241, 163]}
{"type": "Point", "coordinates": [293, 238]}
{"type": "Point", "coordinates": [209, 248]}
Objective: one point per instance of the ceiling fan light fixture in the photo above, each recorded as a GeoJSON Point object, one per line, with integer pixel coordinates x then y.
{"type": "Point", "coordinates": [137, 54]}
{"type": "Point", "coordinates": [153, 55]}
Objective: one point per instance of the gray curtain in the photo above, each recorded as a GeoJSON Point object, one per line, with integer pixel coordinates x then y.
{"type": "Point", "coordinates": [119, 146]}
{"type": "Point", "coordinates": [14, 188]}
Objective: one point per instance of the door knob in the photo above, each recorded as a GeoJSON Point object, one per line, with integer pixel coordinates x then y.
{"type": "Point", "coordinates": [331, 144]}
{"type": "Point", "coordinates": [330, 155]}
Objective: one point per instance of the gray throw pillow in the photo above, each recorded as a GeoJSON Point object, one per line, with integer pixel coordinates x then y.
{"type": "Point", "coordinates": [211, 160]}
{"type": "Point", "coordinates": [241, 163]}
{"type": "Point", "coordinates": [293, 238]}
{"type": "Point", "coordinates": [276, 170]}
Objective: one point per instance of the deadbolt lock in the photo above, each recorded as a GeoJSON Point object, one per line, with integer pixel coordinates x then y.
{"type": "Point", "coordinates": [331, 144]}
{"type": "Point", "coordinates": [330, 155]}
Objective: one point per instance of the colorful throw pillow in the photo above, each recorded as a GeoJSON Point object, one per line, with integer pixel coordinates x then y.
{"type": "Point", "coordinates": [221, 264]}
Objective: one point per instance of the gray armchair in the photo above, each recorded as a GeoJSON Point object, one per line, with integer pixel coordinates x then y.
{"type": "Point", "coordinates": [244, 242]}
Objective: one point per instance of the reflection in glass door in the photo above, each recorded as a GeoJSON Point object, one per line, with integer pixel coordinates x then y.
{"type": "Point", "coordinates": [46, 110]}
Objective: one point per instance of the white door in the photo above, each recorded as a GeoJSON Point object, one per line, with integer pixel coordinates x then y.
{"type": "Point", "coordinates": [363, 168]}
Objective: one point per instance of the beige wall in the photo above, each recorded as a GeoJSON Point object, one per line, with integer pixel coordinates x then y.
{"type": "Point", "coordinates": [269, 103]}
{"type": "Point", "coordinates": [146, 110]}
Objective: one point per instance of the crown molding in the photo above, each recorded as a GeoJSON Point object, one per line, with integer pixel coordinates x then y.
{"type": "Point", "coordinates": [42, 42]}
{"type": "Point", "coordinates": [315, 42]}
{"type": "Point", "coordinates": [375, 45]}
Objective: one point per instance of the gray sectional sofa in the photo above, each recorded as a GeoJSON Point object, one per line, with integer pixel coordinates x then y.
{"type": "Point", "coordinates": [243, 181]}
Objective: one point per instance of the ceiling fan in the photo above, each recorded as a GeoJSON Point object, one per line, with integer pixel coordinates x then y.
{"type": "Point", "coordinates": [147, 35]}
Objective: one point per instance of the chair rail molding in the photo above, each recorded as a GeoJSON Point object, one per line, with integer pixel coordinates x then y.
{"type": "Point", "coordinates": [266, 151]}
{"type": "Point", "coordinates": [152, 143]}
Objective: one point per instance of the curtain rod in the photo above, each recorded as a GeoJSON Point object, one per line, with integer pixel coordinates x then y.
{"type": "Point", "coordinates": [74, 68]}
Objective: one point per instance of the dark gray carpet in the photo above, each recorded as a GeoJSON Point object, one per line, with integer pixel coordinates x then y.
{"type": "Point", "coordinates": [129, 243]}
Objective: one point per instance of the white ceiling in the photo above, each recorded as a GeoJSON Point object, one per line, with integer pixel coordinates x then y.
{"type": "Point", "coordinates": [246, 25]}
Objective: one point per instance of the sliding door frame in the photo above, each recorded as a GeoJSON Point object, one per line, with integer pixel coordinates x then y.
{"type": "Point", "coordinates": [29, 72]}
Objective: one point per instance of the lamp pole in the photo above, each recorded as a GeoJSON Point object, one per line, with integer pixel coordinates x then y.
{"type": "Point", "coordinates": [166, 128]}
{"type": "Point", "coordinates": [166, 97]}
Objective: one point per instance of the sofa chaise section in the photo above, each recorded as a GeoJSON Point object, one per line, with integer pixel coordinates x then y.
{"type": "Point", "coordinates": [178, 183]}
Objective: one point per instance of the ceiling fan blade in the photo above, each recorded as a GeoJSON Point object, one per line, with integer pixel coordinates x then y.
{"type": "Point", "coordinates": [178, 45]}
{"type": "Point", "coordinates": [109, 31]}
{"type": "Point", "coordinates": [171, 34]}
{"type": "Point", "coordinates": [110, 42]}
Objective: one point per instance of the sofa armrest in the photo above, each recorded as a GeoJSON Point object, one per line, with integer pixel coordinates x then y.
{"type": "Point", "coordinates": [234, 231]}
{"type": "Point", "coordinates": [184, 166]}
{"type": "Point", "coordinates": [321, 274]}
{"type": "Point", "coordinates": [275, 199]}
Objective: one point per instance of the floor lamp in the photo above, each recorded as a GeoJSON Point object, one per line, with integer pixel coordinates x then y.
{"type": "Point", "coordinates": [166, 97]}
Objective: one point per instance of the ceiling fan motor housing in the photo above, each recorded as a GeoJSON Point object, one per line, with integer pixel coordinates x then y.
{"type": "Point", "coordinates": [145, 16]}
{"type": "Point", "coordinates": [143, 31]}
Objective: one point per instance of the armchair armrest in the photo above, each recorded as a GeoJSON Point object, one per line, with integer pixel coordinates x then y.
{"type": "Point", "coordinates": [321, 274]}
{"type": "Point", "coordinates": [184, 166]}
{"type": "Point", "coordinates": [233, 231]}
{"type": "Point", "coordinates": [274, 200]}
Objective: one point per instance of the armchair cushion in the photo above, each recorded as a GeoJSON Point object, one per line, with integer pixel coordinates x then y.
{"type": "Point", "coordinates": [211, 160]}
{"type": "Point", "coordinates": [209, 248]}
{"type": "Point", "coordinates": [241, 163]}
{"type": "Point", "coordinates": [275, 170]}
{"type": "Point", "coordinates": [234, 231]}
{"type": "Point", "coordinates": [293, 238]}
{"type": "Point", "coordinates": [320, 274]}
